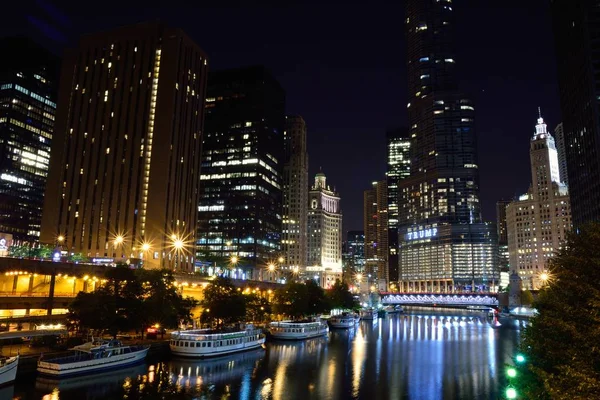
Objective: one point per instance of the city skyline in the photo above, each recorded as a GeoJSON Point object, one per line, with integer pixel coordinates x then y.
{"type": "Point", "coordinates": [385, 71]}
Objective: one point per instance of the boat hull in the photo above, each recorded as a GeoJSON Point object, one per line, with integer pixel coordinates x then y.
{"type": "Point", "coordinates": [299, 335]}
{"type": "Point", "coordinates": [91, 366]}
{"type": "Point", "coordinates": [8, 372]}
{"type": "Point", "coordinates": [206, 352]}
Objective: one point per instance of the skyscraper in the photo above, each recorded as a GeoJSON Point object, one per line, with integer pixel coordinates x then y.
{"type": "Point", "coordinates": [324, 233]}
{"type": "Point", "coordinates": [398, 168]}
{"type": "Point", "coordinates": [443, 242]}
{"type": "Point", "coordinates": [28, 91]}
{"type": "Point", "coordinates": [575, 24]}
{"type": "Point", "coordinates": [559, 136]}
{"type": "Point", "coordinates": [503, 259]}
{"type": "Point", "coordinates": [125, 169]}
{"type": "Point", "coordinates": [240, 211]}
{"type": "Point", "coordinates": [355, 248]}
{"type": "Point", "coordinates": [538, 223]}
{"type": "Point", "coordinates": [376, 234]}
{"type": "Point", "coordinates": [295, 195]}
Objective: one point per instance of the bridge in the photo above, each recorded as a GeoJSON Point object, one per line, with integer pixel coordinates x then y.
{"type": "Point", "coordinates": [441, 299]}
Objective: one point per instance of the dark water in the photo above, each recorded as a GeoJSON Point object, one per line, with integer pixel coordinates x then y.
{"type": "Point", "coordinates": [424, 354]}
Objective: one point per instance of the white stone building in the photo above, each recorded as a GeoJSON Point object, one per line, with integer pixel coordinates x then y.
{"type": "Point", "coordinates": [539, 221]}
{"type": "Point", "coordinates": [324, 233]}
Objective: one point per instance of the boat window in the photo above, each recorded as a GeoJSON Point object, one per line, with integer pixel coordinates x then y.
{"type": "Point", "coordinates": [209, 343]}
{"type": "Point", "coordinates": [203, 344]}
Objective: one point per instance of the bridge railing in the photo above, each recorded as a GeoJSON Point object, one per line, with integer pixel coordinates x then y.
{"type": "Point", "coordinates": [441, 298]}
{"type": "Point", "coordinates": [34, 294]}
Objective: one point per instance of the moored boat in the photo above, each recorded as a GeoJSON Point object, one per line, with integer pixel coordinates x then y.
{"type": "Point", "coordinates": [104, 357]}
{"type": "Point", "coordinates": [298, 330]}
{"type": "Point", "coordinates": [343, 321]}
{"type": "Point", "coordinates": [210, 343]}
{"type": "Point", "coordinates": [368, 314]}
{"type": "Point", "coordinates": [8, 369]}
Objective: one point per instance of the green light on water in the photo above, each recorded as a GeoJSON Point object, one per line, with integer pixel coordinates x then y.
{"type": "Point", "coordinates": [511, 393]}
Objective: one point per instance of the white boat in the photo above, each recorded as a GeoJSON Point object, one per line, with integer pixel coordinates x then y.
{"type": "Point", "coordinates": [209, 343]}
{"type": "Point", "coordinates": [108, 356]}
{"type": "Point", "coordinates": [343, 321]}
{"type": "Point", "coordinates": [394, 310]}
{"type": "Point", "coordinates": [368, 314]}
{"type": "Point", "coordinates": [298, 330]}
{"type": "Point", "coordinates": [8, 369]}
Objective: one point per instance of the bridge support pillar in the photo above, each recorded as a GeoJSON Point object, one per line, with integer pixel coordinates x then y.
{"type": "Point", "coordinates": [15, 283]}
{"type": "Point", "coordinates": [30, 288]}
{"type": "Point", "coordinates": [51, 293]}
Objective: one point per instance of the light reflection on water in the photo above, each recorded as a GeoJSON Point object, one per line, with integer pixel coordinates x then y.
{"type": "Point", "coordinates": [435, 354]}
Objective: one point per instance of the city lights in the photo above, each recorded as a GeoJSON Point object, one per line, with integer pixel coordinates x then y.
{"type": "Point", "coordinates": [511, 372]}
{"type": "Point", "coordinates": [234, 259]}
{"type": "Point", "coordinates": [271, 267]}
{"type": "Point", "coordinates": [60, 238]}
{"type": "Point", "coordinates": [511, 393]}
{"type": "Point", "coordinates": [145, 246]}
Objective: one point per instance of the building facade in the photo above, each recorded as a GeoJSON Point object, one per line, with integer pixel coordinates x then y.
{"type": "Point", "coordinates": [125, 172]}
{"type": "Point", "coordinates": [28, 92]}
{"type": "Point", "coordinates": [295, 195]}
{"type": "Point", "coordinates": [444, 245]}
{"type": "Point", "coordinates": [559, 138]}
{"type": "Point", "coordinates": [324, 231]}
{"type": "Point", "coordinates": [355, 250]}
{"type": "Point", "coordinates": [575, 24]}
{"type": "Point", "coordinates": [503, 257]}
{"type": "Point", "coordinates": [538, 223]}
{"type": "Point", "coordinates": [377, 235]}
{"type": "Point", "coordinates": [398, 168]}
{"type": "Point", "coordinates": [240, 210]}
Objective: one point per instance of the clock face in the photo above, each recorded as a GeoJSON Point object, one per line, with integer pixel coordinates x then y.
{"type": "Point", "coordinates": [314, 204]}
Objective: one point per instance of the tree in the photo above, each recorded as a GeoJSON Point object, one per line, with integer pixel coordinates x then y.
{"type": "Point", "coordinates": [292, 300]}
{"type": "Point", "coordinates": [162, 303]}
{"type": "Point", "coordinates": [561, 344]}
{"type": "Point", "coordinates": [131, 300]}
{"type": "Point", "coordinates": [339, 296]}
{"type": "Point", "coordinates": [223, 302]}
{"type": "Point", "coordinates": [526, 298]}
{"type": "Point", "coordinates": [257, 308]}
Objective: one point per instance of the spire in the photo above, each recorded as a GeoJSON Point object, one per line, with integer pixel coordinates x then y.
{"type": "Point", "coordinates": [540, 128]}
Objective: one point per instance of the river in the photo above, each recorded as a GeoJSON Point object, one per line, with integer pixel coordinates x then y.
{"type": "Point", "coordinates": [423, 354]}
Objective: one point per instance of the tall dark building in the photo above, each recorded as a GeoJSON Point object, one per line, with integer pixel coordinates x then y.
{"type": "Point", "coordinates": [502, 232]}
{"type": "Point", "coordinates": [240, 211]}
{"type": "Point", "coordinates": [576, 25]}
{"type": "Point", "coordinates": [398, 168]}
{"type": "Point", "coordinates": [125, 170]}
{"type": "Point", "coordinates": [443, 242]}
{"type": "Point", "coordinates": [28, 92]}
{"type": "Point", "coordinates": [295, 195]}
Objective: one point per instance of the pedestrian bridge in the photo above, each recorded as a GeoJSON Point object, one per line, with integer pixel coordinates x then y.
{"type": "Point", "coordinates": [441, 299]}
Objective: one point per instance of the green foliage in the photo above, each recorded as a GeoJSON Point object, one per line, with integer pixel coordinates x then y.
{"type": "Point", "coordinates": [258, 308]}
{"type": "Point", "coordinates": [300, 300]}
{"type": "Point", "coordinates": [77, 257]}
{"type": "Point", "coordinates": [131, 300]}
{"type": "Point", "coordinates": [339, 296]}
{"type": "Point", "coordinates": [225, 303]}
{"type": "Point", "coordinates": [526, 298]}
{"type": "Point", "coordinates": [562, 355]}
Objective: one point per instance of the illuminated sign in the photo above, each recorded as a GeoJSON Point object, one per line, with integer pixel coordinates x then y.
{"type": "Point", "coordinates": [3, 244]}
{"type": "Point", "coordinates": [102, 260]}
{"type": "Point", "coordinates": [422, 234]}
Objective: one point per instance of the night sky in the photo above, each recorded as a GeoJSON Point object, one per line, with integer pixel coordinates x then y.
{"type": "Point", "coordinates": [343, 69]}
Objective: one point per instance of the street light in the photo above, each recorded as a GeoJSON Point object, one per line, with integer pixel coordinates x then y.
{"type": "Point", "coordinates": [145, 246]}
{"type": "Point", "coordinates": [234, 259]}
{"type": "Point", "coordinates": [511, 393]}
{"type": "Point", "coordinates": [281, 260]}
{"type": "Point", "coordinates": [119, 239]}
{"type": "Point", "coordinates": [60, 238]}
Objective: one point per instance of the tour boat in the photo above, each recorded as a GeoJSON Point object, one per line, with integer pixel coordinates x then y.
{"type": "Point", "coordinates": [93, 358]}
{"type": "Point", "coordinates": [343, 321]}
{"type": "Point", "coordinates": [368, 314]}
{"type": "Point", "coordinates": [298, 329]}
{"type": "Point", "coordinates": [210, 343]}
{"type": "Point", "coordinates": [8, 369]}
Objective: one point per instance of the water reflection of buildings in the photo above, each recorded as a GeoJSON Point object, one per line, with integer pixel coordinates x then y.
{"type": "Point", "coordinates": [193, 373]}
